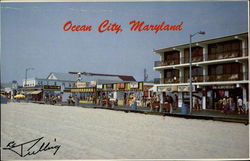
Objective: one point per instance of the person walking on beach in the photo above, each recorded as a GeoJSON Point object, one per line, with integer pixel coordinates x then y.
{"type": "Point", "coordinates": [239, 105]}
{"type": "Point", "coordinates": [170, 102]}
{"type": "Point", "coordinates": [224, 105]}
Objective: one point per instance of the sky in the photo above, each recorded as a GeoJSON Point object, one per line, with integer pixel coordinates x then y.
{"type": "Point", "coordinates": [32, 35]}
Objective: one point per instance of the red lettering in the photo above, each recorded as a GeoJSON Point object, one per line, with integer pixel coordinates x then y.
{"type": "Point", "coordinates": [102, 25]}
{"type": "Point", "coordinates": [66, 24]}
{"type": "Point", "coordinates": [136, 25]}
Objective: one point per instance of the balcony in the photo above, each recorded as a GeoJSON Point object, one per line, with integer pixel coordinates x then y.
{"type": "Point", "coordinates": [226, 77]}
{"type": "Point", "coordinates": [194, 59]}
{"type": "Point", "coordinates": [208, 57]}
{"type": "Point", "coordinates": [201, 78]}
{"type": "Point", "coordinates": [167, 80]}
{"type": "Point", "coordinates": [167, 62]}
{"type": "Point", "coordinates": [198, 78]}
{"type": "Point", "coordinates": [227, 54]}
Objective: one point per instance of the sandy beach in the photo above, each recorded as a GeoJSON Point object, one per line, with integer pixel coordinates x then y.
{"type": "Point", "coordinates": [84, 133]}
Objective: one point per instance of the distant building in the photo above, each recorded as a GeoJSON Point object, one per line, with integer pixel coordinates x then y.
{"type": "Point", "coordinates": [9, 89]}
{"type": "Point", "coordinates": [56, 82]}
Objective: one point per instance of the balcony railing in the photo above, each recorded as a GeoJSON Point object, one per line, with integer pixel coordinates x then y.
{"type": "Point", "coordinates": [198, 78]}
{"type": "Point", "coordinates": [201, 78]}
{"type": "Point", "coordinates": [227, 54]}
{"type": "Point", "coordinates": [167, 62]}
{"type": "Point", "coordinates": [194, 59]}
{"type": "Point", "coordinates": [167, 80]}
{"type": "Point", "coordinates": [227, 77]}
{"type": "Point", "coordinates": [215, 56]}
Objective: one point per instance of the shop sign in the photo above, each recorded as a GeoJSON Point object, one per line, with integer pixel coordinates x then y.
{"type": "Point", "coordinates": [81, 84]}
{"type": "Point", "coordinates": [99, 86]}
{"type": "Point", "coordinates": [121, 85]}
{"type": "Point", "coordinates": [185, 88]}
{"type": "Point", "coordinates": [51, 88]}
{"type": "Point", "coordinates": [108, 86]}
{"type": "Point", "coordinates": [82, 90]}
{"type": "Point", "coordinates": [224, 87]}
{"type": "Point", "coordinates": [92, 83]}
{"type": "Point", "coordinates": [167, 88]}
{"type": "Point", "coordinates": [134, 85]}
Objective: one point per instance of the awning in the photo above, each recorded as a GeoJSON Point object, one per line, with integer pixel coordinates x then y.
{"type": "Point", "coordinates": [35, 92]}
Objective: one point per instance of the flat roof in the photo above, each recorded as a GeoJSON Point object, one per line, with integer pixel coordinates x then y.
{"type": "Point", "coordinates": [209, 41]}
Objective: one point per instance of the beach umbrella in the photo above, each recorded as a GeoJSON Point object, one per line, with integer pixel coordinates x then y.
{"type": "Point", "coordinates": [19, 96]}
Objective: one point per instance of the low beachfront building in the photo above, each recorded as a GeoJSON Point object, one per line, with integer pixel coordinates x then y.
{"type": "Point", "coordinates": [220, 69]}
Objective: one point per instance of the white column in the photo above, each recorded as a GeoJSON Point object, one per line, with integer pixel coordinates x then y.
{"type": "Point", "coordinates": [204, 102]}
{"type": "Point", "coordinates": [181, 55]}
{"type": "Point", "coordinates": [161, 76]}
{"type": "Point", "coordinates": [205, 72]}
{"type": "Point", "coordinates": [205, 52]}
{"type": "Point", "coordinates": [244, 95]}
{"type": "Point", "coordinates": [180, 99]}
{"type": "Point", "coordinates": [181, 73]}
{"type": "Point", "coordinates": [244, 47]}
{"type": "Point", "coordinates": [244, 70]}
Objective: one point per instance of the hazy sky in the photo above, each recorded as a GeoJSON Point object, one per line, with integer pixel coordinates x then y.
{"type": "Point", "coordinates": [32, 35]}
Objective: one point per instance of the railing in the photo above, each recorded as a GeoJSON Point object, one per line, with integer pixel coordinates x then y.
{"type": "Point", "coordinates": [194, 59]}
{"type": "Point", "coordinates": [201, 78]}
{"type": "Point", "coordinates": [198, 78]}
{"type": "Point", "coordinates": [167, 80]}
{"type": "Point", "coordinates": [228, 54]}
{"type": "Point", "coordinates": [167, 62]}
{"type": "Point", "coordinates": [226, 77]}
{"type": "Point", "coordinates": [216, 56]}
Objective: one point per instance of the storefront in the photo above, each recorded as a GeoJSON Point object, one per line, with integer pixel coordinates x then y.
{"type": "Point", "coordinates": [51, 92]}
{"type": "Point", "coordinates": [216, 93]}
{"type": "Point", "coordinates": [84, 95]}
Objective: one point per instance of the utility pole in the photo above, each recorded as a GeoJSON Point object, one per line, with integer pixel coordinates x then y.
{"type": "Point", "coordinates": [145, 75]}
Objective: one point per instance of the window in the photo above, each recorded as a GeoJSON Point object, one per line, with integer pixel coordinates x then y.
{"type": "Point", "coordinates": [219, 69]}
{"type": "Point", "coordinates": [63, 84]}
{"type": "Point", "coordinates": [171, 73]}
{"type": "Point", "coordinates": [55, 83]}
{"type": "Point", "coordinates": [69, 85]}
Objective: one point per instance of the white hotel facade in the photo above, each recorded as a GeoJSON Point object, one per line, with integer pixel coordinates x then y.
{"type": "Point", "coordinates": [220, 69]}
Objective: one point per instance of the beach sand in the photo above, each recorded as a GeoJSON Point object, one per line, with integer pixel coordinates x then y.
{"type": "Point", "coordinates": [85, 133]}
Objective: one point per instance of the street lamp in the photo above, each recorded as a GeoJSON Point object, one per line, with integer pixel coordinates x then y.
{"type": "Point", "coordinates": [190, 68]}
{"type": "Point", "coordinates": [26, 71]}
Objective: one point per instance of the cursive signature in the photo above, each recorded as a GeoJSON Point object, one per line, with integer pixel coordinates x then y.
{"type": "Point", "coordinates": [30, 147]}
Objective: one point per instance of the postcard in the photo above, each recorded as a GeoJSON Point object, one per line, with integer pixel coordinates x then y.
{"type": "Point", "coordinates": [134, 80]}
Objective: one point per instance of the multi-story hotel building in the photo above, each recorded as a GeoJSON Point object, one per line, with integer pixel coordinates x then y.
{"type": "Point", "coordinates": [219, 69]}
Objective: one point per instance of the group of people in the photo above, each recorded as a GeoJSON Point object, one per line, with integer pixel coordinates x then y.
{"type": "Point", "coordinates": [197, 103]}
{"type": "Point", "coordinates": [229, 104]}
{"type": "Point", "coordinates": [168, 103]}
{"type": "Point", "coordinates": [53, 99]}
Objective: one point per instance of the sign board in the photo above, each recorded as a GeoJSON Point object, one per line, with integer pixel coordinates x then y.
{"type": "Point", "coordinates": [99, 86]}
{"type": "Point", "coordinates": [134, 85]}
{"type": "Point", "coordinates": [51, 88]}
{"type": "Point", "coordinates": [109, 86]}
{"type": "Point", "coordinates": [223, 87]}
{"type": "Point", "coordinates": [185, 88]}
{"type": "Point", "coordinates": [80, 90]}
{"type": "Point", "coordinates": [121, 85]}
{"type": "Point", "coordinates": [92, 83]}
{"type": "Point", "coordinates": [167, 88]}
{"type": "Point", "coordinates": [81, 84]}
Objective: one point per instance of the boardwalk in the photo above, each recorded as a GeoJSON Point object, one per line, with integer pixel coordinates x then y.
{"type": "Point", "coordinates": [86, 133]}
